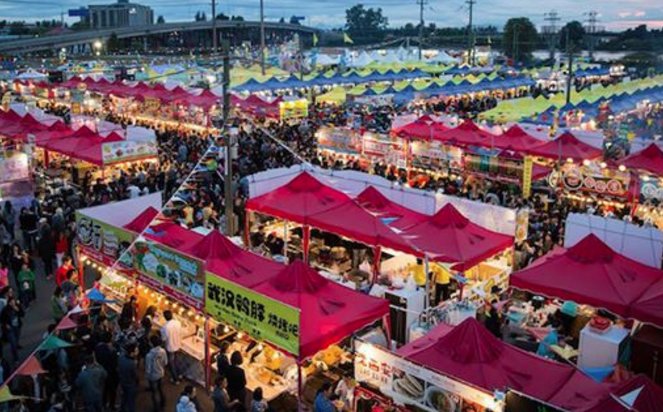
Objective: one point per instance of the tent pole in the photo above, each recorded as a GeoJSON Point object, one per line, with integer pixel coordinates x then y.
{"type": "Point", "coordinates": [377, 254]}
{"type": "Point", "coordinates": [426, 270]}
{"type": "Point", "coordinates": [247, 230]}
{"type": "Point", "coordinates": [208, 357]}
{"type": "Point", "coordinates": [285, 240]}
{"type": "Point", "coordinates": [300, 388]}
{"type": "Point", "coordinates": [306, 242]}
{"type": "Point", "coordinates": [81, 270]}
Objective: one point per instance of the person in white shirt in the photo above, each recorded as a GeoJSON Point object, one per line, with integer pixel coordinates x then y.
{"type": "Point", "coordinates": [134, 191]}
{"type": "Point", "coordinates": [171, 334]}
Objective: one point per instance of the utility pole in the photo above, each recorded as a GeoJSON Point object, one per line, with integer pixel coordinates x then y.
{"type": "Point", "coordinates": [470, 34]}
{"type": "Point", "coordinates": [262, 37]}
{"type": "Point", "coordinates": [214, 40]}
{"type": "Point", "coordinates": [225, 131]}
{"type": "Point", "coordinates": [569, 77]}
{"type": "Point", "coordinates": [421, 4]}
{"type": "Point", "coordinates": [591, 29]}
{"type": "Point", "coordinates": [514, 46]}
{"type": "Point", "coordinates": [550, 29]}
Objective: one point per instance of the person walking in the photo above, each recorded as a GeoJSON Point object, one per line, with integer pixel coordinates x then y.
{"type": "Point", "coordinates": [237, 380]}
{"type": "Point", "coordinates": [58, 305]}
{"type": "Point", "coordinates": [46, 247]}
{"type": "Point", "coordinates": [63, 269]}
{"type": "Point", "coordinates": [186, 402]}
{"type": "Point", "coordinates": [12, 321]}
{"type": "Point", "coordinates": [9, 218]}
{"type": "Point", "coordinates": [128, 371]}
{"type": "Point", "coordinates": [90, 383]}
{"type": "Point", "coordinates": [106, 355]}
{"type": "Point", "coordinates": [171, 334]}
{"type": "Point", "coordinates": [26, 284]}
{"type": "Point", "coordinates": [156, 361]}
{"type": "Point", "coordinates": [220, 397]}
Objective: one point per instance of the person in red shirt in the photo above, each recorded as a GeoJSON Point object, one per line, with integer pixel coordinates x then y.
{"type": "Point", "coordinates": [61, 273]}
{"type": "Point", "coordinates": [61, 247]}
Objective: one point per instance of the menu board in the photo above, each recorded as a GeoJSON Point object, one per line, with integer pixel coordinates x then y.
{"type": "Point", "coordinates": [342, 139]}
{"type": "Point", "coordinates": [591, 179]}
{"type": "Point", "coordinates": [412, 385]}
{"type": "Point", "coordinates": [261, 317]}
{"type": "Point", "coordinates": [103, 242]}
{"type": "Point", "coordinates": [127, 151]}
{"type": "Point", "coordinates": [175, 274]}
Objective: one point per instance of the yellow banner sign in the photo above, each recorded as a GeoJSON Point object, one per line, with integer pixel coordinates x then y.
{"type": "Point", "coordinates": [527, 177]}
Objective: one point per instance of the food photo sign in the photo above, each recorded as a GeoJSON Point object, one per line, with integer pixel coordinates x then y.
{"type": "Point", "coordinates": [177, 275]}
{"type": "Point", "coordinates": [414, 386]}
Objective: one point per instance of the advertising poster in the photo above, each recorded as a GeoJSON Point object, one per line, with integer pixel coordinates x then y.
{"type": "Point", "coordinates": [14, 167]}
{"type": "Point", "coordinates": [416, 387]}
{"type": "Point", "coordinates": [261, 317]}
{"type": "Point", "coordinates": [102, 242]}
{"type": "Point", "coordinates": [339, 139]}
{"type": "Point", "coordinates": [127, 151]}
{"type": "Point", "coordinates": [297, 109]}
{"type": "Point", "coordinates": [171, 272]}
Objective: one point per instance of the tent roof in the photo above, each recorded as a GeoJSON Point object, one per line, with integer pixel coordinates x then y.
{"type": "Point", "coordinates": [229, 261]}
{"type": "Point", "coordinates": [593, 274]}
{"type": "Point", "coordinates": [450, 237]}
{"type": "Point", "coordinates": [329, 312]}
{"type": "Point", "coordinates": [472, 354]}
{"type": "Point", "coordinates": [650, 159]}
{"type": "Point", "coordinates": [391, 213]}
{"type": "Point", "coordinates": [639, 393]}
{"type": "Point", "coordinates": [143, 220]}
{"type": "Point", "coordinates": [351, 220]}
{"type": "Point", "coordinates": [467, 134]}
{"type": "Point", "coordinates": [567, 146]}
{"type": "Point", "coordinates": [518, 140]}
{"type": "Point", "coordinates": [299, 199]}
{"type": "Point", "coordinates": [173, 235]}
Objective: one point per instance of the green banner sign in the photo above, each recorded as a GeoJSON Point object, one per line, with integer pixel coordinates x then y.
{"type": "Point", "coordinates": [261, 317]}
{"type": "Point", "coordinates": [176, 274]}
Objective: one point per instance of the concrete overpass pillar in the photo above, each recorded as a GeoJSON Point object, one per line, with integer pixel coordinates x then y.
{"type": "Point", "coordinates": [145, 44]}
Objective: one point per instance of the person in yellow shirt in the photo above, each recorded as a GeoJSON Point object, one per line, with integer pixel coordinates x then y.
{"type": "Point", "coordinates": [418, 273]}
{"type": "Point", "coordinates": [442, 279]}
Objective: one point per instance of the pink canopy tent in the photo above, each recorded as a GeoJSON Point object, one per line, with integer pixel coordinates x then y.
{"type": "Point", "coordinates": [143, 220]}
{"type": "Point", "coordinates": [450, 237]}
{"type": "Point", "coordinates": [172, 235]}
{"type": "Point", "coordinates": [229, 261]}
{"type": "Point", "coordinates": [466, 134]}
{"type": "Point", "coordinates": [16, 127]}
{"type": "Point", "coordinates": [649, 159]}
{"type": "Point", "coordinates": [517, 140]}
{"type": "Point", "coordinates": [84, 145]}
{"type": "Point", "coordinates": [591, 273]}
{"type": "Point", "coordinates": [636, 394]}
{"type": "Point", "coordinates": [298, 200]}
{"type": "Point", "coordinates": [567, 146]}
{"type": "Point", "coordinates": [649, 306]}
{"type": "Point", "coordinates": [473, 355]}
{"type": "Point", "coordinates": [391, 213]}
{"type": "Point", "coordinates": [424, 128]}
{"type": "Point", "coordinates": [329, 312]}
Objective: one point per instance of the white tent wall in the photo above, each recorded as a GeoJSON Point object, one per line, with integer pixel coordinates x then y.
{"type": "Point", "coordinates": [352, 183]}
{"type": "Point", "coordinates": [120, 213]}
{"type": "Point", "coordinates": [644, 245]}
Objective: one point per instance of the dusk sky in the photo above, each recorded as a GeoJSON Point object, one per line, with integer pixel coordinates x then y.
{"type": "Point", "coordinates": [614, 14]}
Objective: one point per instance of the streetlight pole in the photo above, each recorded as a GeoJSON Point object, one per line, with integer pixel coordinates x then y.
{"type": "Point", "coordinates": [228, 174]}
{"type": "Point", "coordinates": [262, 37]}
{"type": "Point", "coordinates": [569, 77]}
{"type": "Point", "coordinates": [214, 39]}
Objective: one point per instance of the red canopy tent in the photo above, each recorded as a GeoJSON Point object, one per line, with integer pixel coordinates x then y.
{"type": "Point", "coordinates": [424, 128]}
{"type": "Point", "coordinates": [473, 355]}
{"type": "Point", "coordinates": [517, 140]}
{"type": "Point", "coordinates": [229, 261]}
{"type": "Point", "coordinates": [84, 144]}
{"type": "Point", "coordinates": [391, 213]}
{"type": "Point", "coordinates": [143, 220]}
{"type": "Point", "coordinates": [297, 200]}
{"type": "Point", "coordinates": [636, 394]}
{"type": "Point", "coordinates": [591, 273]}
{"type": "Point", "coordinates": [329, 312]}
{"type": "Point", "coordinates": [650, 159]}
{"type": "Point", "coordinates": [567, 146]}
{"type": "Point", "coordinates": [450, 237]}
{"type": "Point", "coordinates": [172, 235]}
{"type": "Point", "coordinates": [466, 134]}
{"type": "Point", "coordinates": [206, 99]}
{"type": "Point", "coordinates": [649, 306]}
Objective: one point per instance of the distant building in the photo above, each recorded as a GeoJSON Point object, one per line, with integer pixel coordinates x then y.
{"type": "Point", "coordinates": [120, 14]}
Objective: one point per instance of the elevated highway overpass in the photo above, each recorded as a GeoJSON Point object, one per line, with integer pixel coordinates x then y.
{"type": "Point", "coordinates": [54, 42]}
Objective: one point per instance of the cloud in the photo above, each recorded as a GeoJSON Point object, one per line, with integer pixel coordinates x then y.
{"type": "Point", "coordinates": [639, 13]}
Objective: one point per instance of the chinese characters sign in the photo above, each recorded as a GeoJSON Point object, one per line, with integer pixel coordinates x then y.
{"type": "Point", "coordinates": [14, 166]}
{"type": "Point", "coordinates": [102, 242]}
{"type": "Point", "coordinates": [176, 274]}
{"type": "Point", "coordinates": [260, 316]}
